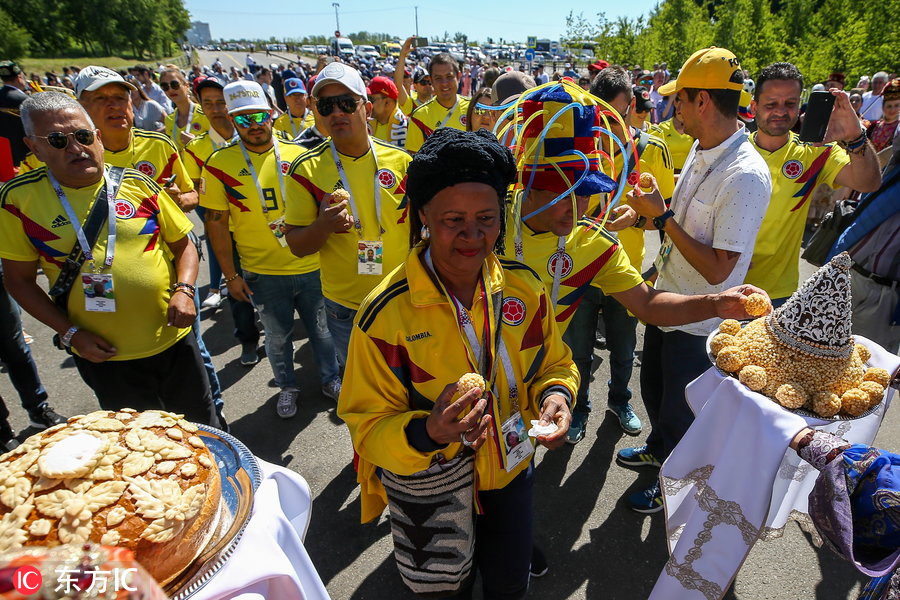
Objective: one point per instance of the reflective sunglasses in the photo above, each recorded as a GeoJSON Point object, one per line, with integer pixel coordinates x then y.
{"type": "Point", "coordinates": [165, 85]}
{"type": "Point", "coordinates": [247, 121]}
{"type": "Point", "coordinates": [60, 140]}
{"type": "Point", "coordinates": [346, 103]}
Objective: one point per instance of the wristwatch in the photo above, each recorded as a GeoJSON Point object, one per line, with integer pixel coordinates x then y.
{"type": "Point", "coordinates": [660, 221]}
{"type": "Point", "coordinates": [642, 220]}
{"type": "Point", "coordinates": [66, 339]}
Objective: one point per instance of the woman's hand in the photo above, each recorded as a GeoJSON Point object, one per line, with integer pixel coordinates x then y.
{"type": "Point", "coordinates": [555, 410]}
{"type": "Point", "coordinates": [444, 426]}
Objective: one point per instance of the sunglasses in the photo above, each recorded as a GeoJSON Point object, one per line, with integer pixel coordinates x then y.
{"type": "Point", "coordinates": [425, 82]}
{"type": "Point", "coordinates": [60, 140]}
{"type": "Point", "coordinates": [166, 85]}
{"type": "Point", "coordinates": [484, 112]}
{"type": "Point", "coordinates": [247, 121]}
{"type": "Point", "coordinates": [345, 103]}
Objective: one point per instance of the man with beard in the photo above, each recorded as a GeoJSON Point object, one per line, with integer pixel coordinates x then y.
{"type": "Point", "coordinates": [797, 168]}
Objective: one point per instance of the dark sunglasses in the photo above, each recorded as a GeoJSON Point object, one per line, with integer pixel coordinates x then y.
{"type": "Point", "coordinates": [425, 82]}
{"type": "Point", "coordinates": [345, 103]}
{"type": "Point", "coordinates": [247, 121]}
{"type": "Point", "coordinates": [165, 85]}
{"type": "Point", "coordinates": [60, 140]}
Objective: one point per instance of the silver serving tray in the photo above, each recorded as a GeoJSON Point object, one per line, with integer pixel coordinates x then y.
{"type": "Point", "coordinates": [797, 411]}
{"type": "Point", "coordinates": [240, 476]}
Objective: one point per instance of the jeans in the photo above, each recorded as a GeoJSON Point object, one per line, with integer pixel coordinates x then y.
{"type": "Point", "coordinates": [671, 360]}
{"type": "Point", "coordinates": [620, 341]}
{"type": "Point", "coordinates": [215, 387]}
{"type": "Point", "coordinates": [276, 297]}
{"type": "Point", "coordinates": [243, 315]}
{"type": "Point", "coordinates": [16, 355]}
{"type": "Point", "coordinates": [340, 324]}
{"type": "Point", "coordinates": [215, 271]}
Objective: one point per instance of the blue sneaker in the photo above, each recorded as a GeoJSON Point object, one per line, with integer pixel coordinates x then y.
{"type": "Point", "coordinates": [576, 429]}
{"type": "Point", "coordinates": [637, 457]}
{"type": "Point", "coordinates": [648, 501]}
{"type": "Point", "coordinates": [627, 419]}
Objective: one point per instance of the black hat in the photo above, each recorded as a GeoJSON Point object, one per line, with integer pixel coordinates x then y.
{"type": "Point", "coordinates": [642, 101]}
{"type": "Point", "coordinates": [9, 69]}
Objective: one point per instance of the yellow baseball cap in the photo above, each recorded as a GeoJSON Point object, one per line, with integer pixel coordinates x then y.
{"type": "Point", "coordinates": [708, 69]}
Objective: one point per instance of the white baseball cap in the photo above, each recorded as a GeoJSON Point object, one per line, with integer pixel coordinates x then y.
{"type": "Point", "coordinates": [343, 74]}
{"type": "Point", "coordinates": [245, 95]}
{"type": "Point", "coordinates": [93, 78]}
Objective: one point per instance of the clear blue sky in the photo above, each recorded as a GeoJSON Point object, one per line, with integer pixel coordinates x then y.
{"type": "Point", "coordinates": [507, 19]}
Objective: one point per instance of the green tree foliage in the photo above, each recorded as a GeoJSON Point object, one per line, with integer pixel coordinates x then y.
{"type": "Point", "coordinates": [14, 41]}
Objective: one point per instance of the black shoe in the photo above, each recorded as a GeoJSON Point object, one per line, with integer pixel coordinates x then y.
{"type": "Point", "coordinates": [600, 343]}
{"type": "Point", "coordinates": [45, 417]}
{"type": "Point", "coordinates": [8, 441]}
{"type": "Point", "coordinates": [249, 355]}
{"type": "Point", "coordinates": [538, 563]}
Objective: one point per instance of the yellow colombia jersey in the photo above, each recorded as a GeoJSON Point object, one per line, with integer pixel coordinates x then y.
{"type": "Point", "coordinates": [34, 227]}
{"type": "Point", "coordinates": [227, 184]}
{"type": "Point", "coordinates": [797, 168]}
{"type": "Point", "coordinates": [314, 174]}
{"type": "Point", "coordinates": [406, 347]}
{"type": "Point", "coordinates": [394, 131]}
{"type": "Point", "coordinates": [293, 126]}
{"type": "Point", "coordinates": [428, 117]}
{"type": "Point", "coordinates": [656, 160]}
{"type": "Point", "coordinates": [197, 124]}
{"type": "Point", "coordinates": [197, 151]}
{"type": "Point", "coordinates": [679, 144]}
{"type": "Point", "coordinates": [590, 259]}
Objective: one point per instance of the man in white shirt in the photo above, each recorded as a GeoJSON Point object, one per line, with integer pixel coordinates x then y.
{"type": "Point", "coordinates": [154, 92]}
{"type": "Point", "coordinates": [711, 228]}
{"type": "Point", "coordinates": [872, 100]}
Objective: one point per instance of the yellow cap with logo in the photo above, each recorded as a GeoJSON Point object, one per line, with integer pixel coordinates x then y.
{"type": "Point", "coordinates": [708, 69]}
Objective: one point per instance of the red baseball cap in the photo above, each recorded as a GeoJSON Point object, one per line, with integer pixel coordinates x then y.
{"type": "Point", "coordinates": [383, 85]}
{"type": "Point", "coordinates": [598, 65]}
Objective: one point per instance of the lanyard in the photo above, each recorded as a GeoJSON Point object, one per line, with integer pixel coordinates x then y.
{"type": "Point", "coordinates": [187, 126]}
{"type": "Point", "coordinates": [252, 169]}
{"type": "Point", "coordinates": [559, 255]}
{"type": "Point", "coordinates": [448, 115]}
{"type": "Point", "coordinates": [76, 222]}
{"type": "Point", "coordinates": [676, 195]}
{"type": "Point", "coordinates": [357, 223]}
{"type": "Point", "coordinates": [294, 129]}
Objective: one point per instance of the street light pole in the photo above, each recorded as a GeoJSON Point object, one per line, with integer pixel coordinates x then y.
{"type": "Point", "coordinates": [337, 23]}
{"type": "Point", "coordinates": [417, 21]}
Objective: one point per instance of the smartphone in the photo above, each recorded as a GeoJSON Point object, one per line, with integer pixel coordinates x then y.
{"type": "Point", "coordinates": [170, 180]}
{"type": "Point", "coordinates": [818, 113]}
{"type": "Point", "coordinates": [420, 42]}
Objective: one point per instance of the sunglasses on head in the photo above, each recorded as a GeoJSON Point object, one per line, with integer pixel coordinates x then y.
{"type": "Point", "coordinates": [165, 85]}
{"type": "Point", "coordinates": [257, 118]}
{"type": "Point", "coordinates": [346, 103]}
{"type": "Point", "coordinates": [60, 140]}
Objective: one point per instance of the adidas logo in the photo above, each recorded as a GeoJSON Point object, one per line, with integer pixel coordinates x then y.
{"type": "Point", "coordinates": [244, 173]}
{"type": "Point", "coordinates": [59, 221]}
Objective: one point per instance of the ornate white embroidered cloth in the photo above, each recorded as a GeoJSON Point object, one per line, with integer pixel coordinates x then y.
{"type": "Point", "coordinates": [732, 479]}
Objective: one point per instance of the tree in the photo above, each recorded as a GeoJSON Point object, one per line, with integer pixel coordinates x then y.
{"type": "Point", "coordinates": [755, 46]}
{"type": "Point", "coordinates": [677, 29]}
{"type": "Point", "coordinates": [15, 40]}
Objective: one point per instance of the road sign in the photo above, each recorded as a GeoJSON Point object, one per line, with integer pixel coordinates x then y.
{"type": "Point", "coordinates": [529, 54]}
{"type": "Point", "coordinates": [532, 41]}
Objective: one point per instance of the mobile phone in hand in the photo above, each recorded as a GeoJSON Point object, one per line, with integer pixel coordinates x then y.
{"type": "Point", "coordinates": [818, 113]}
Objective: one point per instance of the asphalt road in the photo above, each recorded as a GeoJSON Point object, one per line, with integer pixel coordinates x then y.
{"type": "Point", "coordinates": [238, 58]}
{"type": "Point", "coordinates": [596, 547]}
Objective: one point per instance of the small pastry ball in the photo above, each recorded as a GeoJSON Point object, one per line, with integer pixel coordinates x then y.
{"type": "Point", "coordinates": [646, 181]}
{"type": "Point", "coordinates": [826, 404]}
{"type": "Point", "coordinates": [756, 305]}
{"type": "Point", "coordinates": [719, 341]}
{"type": "Point", "coordinates": [791, 395]}
{"type": "Point", "coordinates": [730, 326]}
{"type": "Point", "coordinates": [730, 358]}
{"type": "Point", "coordinates": [863, 352]}
{"type": "Point", "coordinates": [873, 389]}
{"type": "Point", "coordinates": [855, 402]}
{"type": "Point", "coordinates": [339, 195]}
{"type": "Point", "coordinates": [469, 381]}
{"type": "Point", "coordinates": [879, 376]}
{"type": "Point", "coordinates": [753, 377]}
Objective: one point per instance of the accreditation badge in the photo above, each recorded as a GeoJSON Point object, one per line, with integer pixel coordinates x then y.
{"type": "Point", "coordinates": [665, 250]}
{"type": "Point", "coordinates": [277, 228]}
{"type": "Point", "coordinates": [516, 441]}
{"type": "Point", "coordinates": [99, 294]}
{"type": "Point", "coordinates": [370, 259]}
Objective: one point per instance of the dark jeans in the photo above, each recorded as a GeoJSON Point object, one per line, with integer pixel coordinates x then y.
{"type": "Point", "coordinates": [620, 341]}
{"type": "Point", "coordinates": [671, 360]}
{"type": "Point", "coordinates": [243, 315]}
{"type": "Point", "coordinates": [16, 355]}
{"type": "Point", "coordinates": [503, 539]}
{"type": "Point", "coordinates": [174, 380]}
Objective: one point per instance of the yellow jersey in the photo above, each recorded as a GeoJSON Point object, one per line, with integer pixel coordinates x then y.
{"type": "Point", "coordinates": [679, 144]}
{"type": "Point", "coordinates": [293, 126]}
{"type": "Point", "coordinates": [197, 124]}
{"type": "Point", "coordinates": [227, 184]}
{"type": "Point", "coordinates": [394, 131]}
{"type": "Point", "coordinates": [198, 150]}
{"type": "Point", "coordinates": [314, 174]}
{"type": "Point", "coordinates": [431, 115]}
{"type": "Point", "coordinates": [592, 257]}
{"type": "Point", "coordinates": [34, 227]}
{"type": "Point", "coordinates": [797, 168]}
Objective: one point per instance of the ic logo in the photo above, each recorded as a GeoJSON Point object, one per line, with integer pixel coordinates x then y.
{"type": "Point", "coordinates": [27, 580]}
{"type": "Point", "coordinates": [124, 210]}
{"type": "Point", "coordinates": [513, 311]}
{"type": "Point", "coordinates": [792, 169]}
{"type": "Point", "coordinates": [566, 264]}
{"type": "Point", "coordinates": [146, 167]}
{"type": "Point", "coordinates": [385, 178]}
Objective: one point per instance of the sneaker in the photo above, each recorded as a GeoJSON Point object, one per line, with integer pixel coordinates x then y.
{"type": "Point", "coordinates": [627, 419]}
{"type": "Point", "coordinates": [249, 353]}
{"type": "Point", "coordinates": [637, 457]}
{"type": "Point", "coordinates": [332, 390]}
{"type": "Point", "coordinates": [287, 403]}
{"type": "Point", "coordinates": [576, 429]}
{"type": "Point", "coordinates": [538, 566]}
{"type": "Point", "coordinates": [600, 342]}
{"type": "Point", "coordinates": [45, 417]}
{"type": "Point", "coordinates": [8, 441]}
{"type": "Point", "coordinates": [213, 300]}
{"type": "Point", "coordinates": [648, 501]}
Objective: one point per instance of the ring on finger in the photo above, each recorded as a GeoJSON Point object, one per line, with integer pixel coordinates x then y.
{"type": "Point", "coordinates": [465, 441]}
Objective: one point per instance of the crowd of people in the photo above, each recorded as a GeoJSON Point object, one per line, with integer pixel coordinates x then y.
{"type": "Point", "coordinates": [426, 219]}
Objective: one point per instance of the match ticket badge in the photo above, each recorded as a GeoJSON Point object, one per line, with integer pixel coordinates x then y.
{"type": "Point", "coordinates": [277, 227]}
{"type": "Point", "coordinates": [515, 438]}
{"type": "Point", "coordinates": [664, 251]}
{"type": "Point", "coordinates": [99, 294]}
{"type": "Point", "coordinates": [370, 257]}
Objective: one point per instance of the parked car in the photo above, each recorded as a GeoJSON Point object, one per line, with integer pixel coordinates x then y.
{"type": "Point", "coordinates": [367, 51]}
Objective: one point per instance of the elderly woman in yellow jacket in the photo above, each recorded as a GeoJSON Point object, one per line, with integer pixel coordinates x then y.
{"type": "Point", "coordinates": [451, 309]}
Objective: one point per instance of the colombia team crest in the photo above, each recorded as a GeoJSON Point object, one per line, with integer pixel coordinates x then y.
{"type": "Point", "coordinates": [146, 167]}
{"type": "Point", "coordinates": [567, 264]}
{"type": "Point", "coordinates": [124, 209]}
{"type": "Point", "coordinates": [513, 310]}
{"type": "Point", "coordinates": [792, 169]}
{"type": "Point", "coordinates": [386, 178]}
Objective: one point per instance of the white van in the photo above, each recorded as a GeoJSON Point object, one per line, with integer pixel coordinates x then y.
{"type": "Point", "coordinates": [345, 47]}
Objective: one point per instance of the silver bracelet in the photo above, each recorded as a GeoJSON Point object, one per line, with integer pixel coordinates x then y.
{"type": "Point", "coordinates": [66, 338]}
